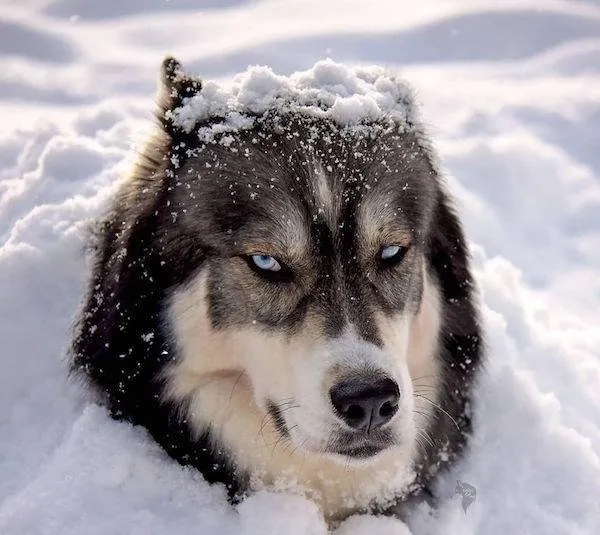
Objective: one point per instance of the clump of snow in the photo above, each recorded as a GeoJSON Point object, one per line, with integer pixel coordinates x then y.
{"type": "Point", "coordinates": [349, 96]}
{"type": "Point", "coordinates": [269, 513]}
{"type": "Point", "coordinates": [369, 525]}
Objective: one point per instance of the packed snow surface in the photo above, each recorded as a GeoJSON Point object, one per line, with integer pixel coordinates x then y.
{"type": "Point", "coordinates": [510, 91]}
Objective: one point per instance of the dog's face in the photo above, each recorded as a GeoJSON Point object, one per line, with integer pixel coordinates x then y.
{"type": "Point", "coordinates": [311, 312]}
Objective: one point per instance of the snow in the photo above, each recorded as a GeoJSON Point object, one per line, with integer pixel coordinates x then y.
{"type": "Point", "coordinates": [511, 92]}
{"type": "Point", "coordinates": [348, 96]}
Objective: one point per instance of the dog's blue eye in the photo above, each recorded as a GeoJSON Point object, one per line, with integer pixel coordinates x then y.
{"type": "Point", "coordinates": [391, 251]}
{"type": "Point", "coordinates": [266, 262]}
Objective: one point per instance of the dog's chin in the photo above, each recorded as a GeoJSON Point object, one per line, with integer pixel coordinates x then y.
{"type": "Point", "coordinates": [347, 452]}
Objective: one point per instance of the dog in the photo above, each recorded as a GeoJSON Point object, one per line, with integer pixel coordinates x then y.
{"type": "Point", "coordinates": [284, 299]}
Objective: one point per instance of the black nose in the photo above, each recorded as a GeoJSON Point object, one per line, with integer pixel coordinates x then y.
{"type": "Point", "coordinates": [365, 402]}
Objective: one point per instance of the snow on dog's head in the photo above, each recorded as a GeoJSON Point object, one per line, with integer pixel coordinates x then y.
{"type": "Point", "coordinates": [346, 96]}
{"type": "Point", "coordinates": [280, 273]}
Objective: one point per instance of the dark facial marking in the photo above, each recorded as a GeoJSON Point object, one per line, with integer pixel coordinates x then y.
{"type": "Point", "coordinates": [261, 193]}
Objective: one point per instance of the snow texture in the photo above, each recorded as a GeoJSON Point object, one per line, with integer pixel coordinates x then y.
{"type": "Point", "coordinates": [511, 92]}
{"type": "Point", "coordinates": [349, 96]}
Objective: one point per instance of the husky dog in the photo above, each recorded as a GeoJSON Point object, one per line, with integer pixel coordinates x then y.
{"type": "Point", "coordinates": [287, 305]}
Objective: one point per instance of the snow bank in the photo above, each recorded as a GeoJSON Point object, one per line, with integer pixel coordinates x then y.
{"type": "Point", "coordinates": [519, 138]}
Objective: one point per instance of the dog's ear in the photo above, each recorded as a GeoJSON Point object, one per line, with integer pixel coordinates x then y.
{"type": "Point", "coordinates": [175, 87]}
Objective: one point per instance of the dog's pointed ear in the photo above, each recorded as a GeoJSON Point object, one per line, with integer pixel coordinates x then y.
{"type": "Point", "coordinates": [176, 85]}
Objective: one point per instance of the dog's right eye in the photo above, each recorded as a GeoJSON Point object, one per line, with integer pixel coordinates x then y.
{"type": "Point", "coordinates": [268, 267]}
{"type": "Point", "coordinates": [266, 262]}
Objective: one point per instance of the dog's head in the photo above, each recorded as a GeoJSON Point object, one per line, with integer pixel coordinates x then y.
{"type": "Point", "coordinates": [310, 309]}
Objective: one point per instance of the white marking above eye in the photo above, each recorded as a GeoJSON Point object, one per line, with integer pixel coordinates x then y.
{"type": "Point", "coordinates": [266, 262]}
{"type": "Point", "coordinates": [390, 251]}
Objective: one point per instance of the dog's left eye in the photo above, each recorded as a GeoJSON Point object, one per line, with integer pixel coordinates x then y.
{"type": "Point", "coordinates": [266, 262]}
{"type": "Point", "coordinates": [391, 254]}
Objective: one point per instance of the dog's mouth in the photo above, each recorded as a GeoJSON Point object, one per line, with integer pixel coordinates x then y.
{"type": "Point", "coordinates": [355, 446]}
{"type": "Point", "coordinates": [361, 446]}
{"type": "Point", "coordinates": [363, 452]}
